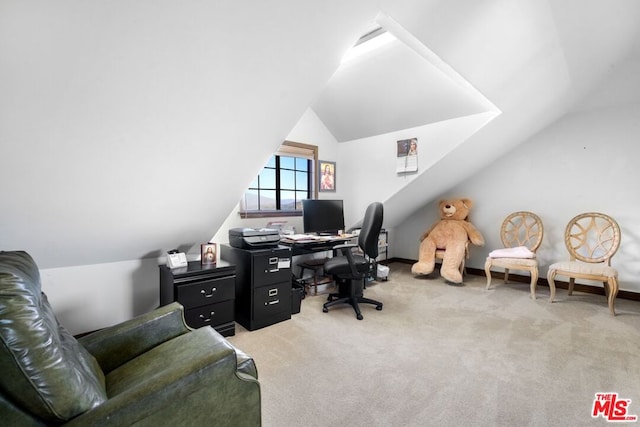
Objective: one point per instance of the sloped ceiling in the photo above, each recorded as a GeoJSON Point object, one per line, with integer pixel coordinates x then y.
{"type": "Point", "coordinates": [131, 128]}
{"type": "Point", "coordinates": [389, 89]}
{"type": "Point", "coordinates": [534, 60]}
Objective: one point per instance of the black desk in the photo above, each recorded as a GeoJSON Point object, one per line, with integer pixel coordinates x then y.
{"type": "Point", "coordinates": [307, 247]}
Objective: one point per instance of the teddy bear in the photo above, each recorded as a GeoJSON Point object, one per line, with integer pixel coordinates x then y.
{"type": "Point", "coordinates": [450, 233]}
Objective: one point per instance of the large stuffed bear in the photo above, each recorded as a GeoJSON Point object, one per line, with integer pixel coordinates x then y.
{"type": "Point", "coordinates": [451, 233]}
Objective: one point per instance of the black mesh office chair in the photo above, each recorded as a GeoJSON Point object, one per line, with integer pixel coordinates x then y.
{"type": "Point", "coordinates": [350, 270]}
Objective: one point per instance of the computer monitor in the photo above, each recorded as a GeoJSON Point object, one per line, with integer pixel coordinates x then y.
{"type": "Point", "coordinates": [322, 216]}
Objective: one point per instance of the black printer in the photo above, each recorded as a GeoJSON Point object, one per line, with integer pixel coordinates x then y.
{"type": "Point", "coordinates": [253, 238]}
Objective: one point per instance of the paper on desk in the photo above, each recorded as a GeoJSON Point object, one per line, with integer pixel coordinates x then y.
{"type": "Point", "coordinates": [300, 237]}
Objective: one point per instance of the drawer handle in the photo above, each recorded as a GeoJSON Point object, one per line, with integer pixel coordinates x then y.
{"type": "Point", "coordinates": [204, 293]}
{"type": "Point", "coordinates": [272, 302]}
{"type": "Point", "coordinates": [273, 292]}
{"type": "Point", "coordinates": [210, 316]}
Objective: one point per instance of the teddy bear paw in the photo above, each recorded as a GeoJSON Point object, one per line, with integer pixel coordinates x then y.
{"type": "Point", "coordinates": [422, 268]}
{"type": "Point", "coordinates": [453, 276]}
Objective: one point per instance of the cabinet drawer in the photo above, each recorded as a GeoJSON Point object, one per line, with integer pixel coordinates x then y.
{"type": "Point", "coordinates": [272, 299]}
{"type": "Point", "coordinates": [206, 292]}
{"type": "Point", "coordinates": [272, 268]}
{"type": "Point", "coordinates": [209, 315]}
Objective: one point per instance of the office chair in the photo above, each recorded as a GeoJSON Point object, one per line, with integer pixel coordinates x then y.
{"type": "Point", "coordinates": [349, 269]}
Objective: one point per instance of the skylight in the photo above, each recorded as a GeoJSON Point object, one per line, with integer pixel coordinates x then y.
{"type": "Point", "coordinates": [369, 42]}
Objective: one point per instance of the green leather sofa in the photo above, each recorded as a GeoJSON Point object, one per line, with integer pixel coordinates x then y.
{"type": "Point", "coordinates": [152, 370]}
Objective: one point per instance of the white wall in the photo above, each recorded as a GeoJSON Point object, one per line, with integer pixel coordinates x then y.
{"type": "Point", "coordinates": [308, 130]}
{"type": "Point", "coordinates": [587, 161]}
{"type": "Point", "coordinates": [110, 114]}
{"type": "Point", "coordinates": [97, 295]}
{"type": "Point", "coordinates": [130, 128]}
{"type": "Point", "coordinates": [596, 147]}
{"type": "Point", "coordinates": [366, 169]}
{"type": "Point", "coordinates": [584, 162]}
{"type": "Point", "coordinates": [86, 298]}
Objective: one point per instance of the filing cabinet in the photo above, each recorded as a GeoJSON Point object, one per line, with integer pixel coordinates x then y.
{"type": "Point", "coordinates": [207, 294]}
{"type": "Point", "coordinates": [263, 284]}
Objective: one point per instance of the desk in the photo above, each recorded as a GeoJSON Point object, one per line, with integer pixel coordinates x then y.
{"type": "Point", "coordinates": [320, 244]}
{"type": "Point", "coordinates": [302, 247]}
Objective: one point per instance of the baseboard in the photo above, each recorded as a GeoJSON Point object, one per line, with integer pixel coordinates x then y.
{"type": "Point", "coordinates": [401, 260]}
{"type": "Point", "coordinates": [578, 287]}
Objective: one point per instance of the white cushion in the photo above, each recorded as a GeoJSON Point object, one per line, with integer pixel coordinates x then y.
{"type": "Point", "coordinates": [597, 269]}
{"type": "Point", "coordinates": [517, 252]}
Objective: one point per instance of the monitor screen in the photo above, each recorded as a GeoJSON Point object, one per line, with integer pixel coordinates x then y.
{"type": "Point", "coordinates": [322, 216]}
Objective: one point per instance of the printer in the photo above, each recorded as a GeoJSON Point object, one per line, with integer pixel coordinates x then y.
{"type": "Point", "coordinates": [254, 238]}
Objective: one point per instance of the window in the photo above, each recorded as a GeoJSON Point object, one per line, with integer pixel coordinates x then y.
{"type": "Point", "coordinates": [286, 180]}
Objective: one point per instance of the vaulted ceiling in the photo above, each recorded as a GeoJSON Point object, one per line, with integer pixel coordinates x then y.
{"type": "Point", "coordinates": [531, 62]}
{"type": "Point", "coordinates": [391, 88]}
{"type": "Point", "coordinates": [130, 128]}
{"type": "Point", "coordinates": [496, 46]}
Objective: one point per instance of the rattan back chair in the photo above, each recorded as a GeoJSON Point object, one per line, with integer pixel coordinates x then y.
{"type": "Point", "coordinates": [592, 239]}
{"type": "Point", "coordinates": [521, 234]}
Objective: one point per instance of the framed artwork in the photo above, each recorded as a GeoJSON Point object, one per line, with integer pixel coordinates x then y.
{"type": "Point", "coordinates": [208, 254]}
{"type": "Point", "coordinates": [326, 175]}
{"type": "Point", "coordinates": [407, 155]}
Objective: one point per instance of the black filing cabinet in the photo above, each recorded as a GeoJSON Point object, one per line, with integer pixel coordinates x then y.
{"type": "Point", "coordinates": [207, 294]}
{"type": "Point", "coordinates": [263, 284]}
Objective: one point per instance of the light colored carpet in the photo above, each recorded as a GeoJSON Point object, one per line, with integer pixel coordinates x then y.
{"type": "Point", "coordinates": [446, 355]}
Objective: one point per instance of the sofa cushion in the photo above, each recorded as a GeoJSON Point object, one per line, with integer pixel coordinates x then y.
{"type": "Point", "coordinates": [44, 369]}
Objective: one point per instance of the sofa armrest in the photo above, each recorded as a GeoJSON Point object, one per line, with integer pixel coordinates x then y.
{"type": "Point", "coordinates": [246, 365]}
{"type": "Point", "coordinates": [116, 345]}
{"type": "Point", "coordinates": [191, 379]}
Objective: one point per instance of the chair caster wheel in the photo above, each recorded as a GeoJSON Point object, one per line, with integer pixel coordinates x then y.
{"type": "Point", "coordinates": [359, 316]}
{"type": "Point", "coordinates": [325, 310]}
{"type": "Point", "coordinates": [379, 307]}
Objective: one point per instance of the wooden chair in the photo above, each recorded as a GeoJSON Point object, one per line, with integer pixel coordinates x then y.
{"type": "Point", "coordinates": [592, 239]}
{"type": "Point", "coordinates": [521, 234]}
{"type": "Point", "coordinates": [439, 256]}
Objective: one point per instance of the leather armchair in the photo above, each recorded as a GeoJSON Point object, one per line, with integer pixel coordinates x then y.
{"type": "Point", "coordinates": [150, 370]}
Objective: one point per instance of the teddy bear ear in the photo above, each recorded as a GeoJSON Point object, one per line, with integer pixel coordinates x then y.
{"type": "Point", "coordinates": [467, 203]}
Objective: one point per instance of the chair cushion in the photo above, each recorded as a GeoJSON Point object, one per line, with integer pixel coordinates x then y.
{"type": "Point", "coordinates": [598, 269]}
{"type": "Point", "coordinates": [44, 369]}
{"type": "Point", "coordinates": [516, 252]}
{"type": "Point", "coordinates": [339, 265]}
{"type": "Point", "coordinates": [511, 262]}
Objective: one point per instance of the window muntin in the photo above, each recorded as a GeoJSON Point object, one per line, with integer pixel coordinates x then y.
{"type": "Point", "coordinates": [286, 180]}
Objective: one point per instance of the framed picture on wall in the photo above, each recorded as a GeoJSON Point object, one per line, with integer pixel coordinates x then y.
{"type": "Point", "coordinates": [407, 157]}
{"type": "Point", "coordinates": [326, 175]}
{"type": "Point", "coordinates": [208, 254]}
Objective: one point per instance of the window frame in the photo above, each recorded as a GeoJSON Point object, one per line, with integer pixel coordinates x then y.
{"type": "Point", "coordinates": [288, 149]}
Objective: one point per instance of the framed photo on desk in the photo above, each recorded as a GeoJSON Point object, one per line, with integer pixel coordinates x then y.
{"type": "Point", "coordinates": [326, 175]}
{"type": "Point", "coordinates": [208, 254]}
